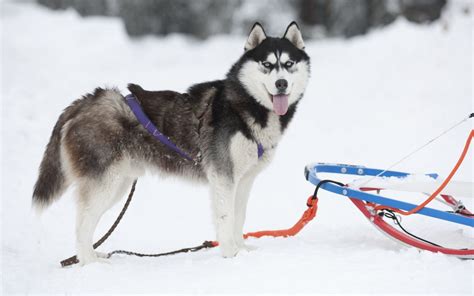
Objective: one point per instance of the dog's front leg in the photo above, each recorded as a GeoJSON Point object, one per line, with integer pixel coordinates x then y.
{"type": "Point", "coordinates": [223, 199]}
{"type": "Point", "coordinates": [241, 200]}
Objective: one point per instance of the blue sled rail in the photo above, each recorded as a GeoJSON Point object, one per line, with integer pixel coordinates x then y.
{"type": "Point", "coordinates": [312, 171]}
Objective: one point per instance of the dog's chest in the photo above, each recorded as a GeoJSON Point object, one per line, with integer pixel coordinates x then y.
{"type": "Point", "coordinates": [269, 134]}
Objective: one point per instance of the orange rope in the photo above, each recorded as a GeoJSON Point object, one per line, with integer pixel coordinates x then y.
{"type": "Point", "coordinates": [440, 188]}
{"type": "Point", "coordinates": [307, 216]}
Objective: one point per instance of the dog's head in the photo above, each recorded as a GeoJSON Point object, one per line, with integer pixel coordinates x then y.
{"type": "Point", "coordinates": [274, 71]}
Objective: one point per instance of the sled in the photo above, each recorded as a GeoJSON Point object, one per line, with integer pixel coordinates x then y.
{"type": "Point", "coordinates": [375, 207]}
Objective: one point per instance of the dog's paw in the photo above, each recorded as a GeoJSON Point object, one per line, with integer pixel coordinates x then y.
{"type": "Point", "coordinates": [229, 251]}
{"type": "Point", "coordinates": [95, 257]}
{"type": "Point", "coordinates": [94, 260]}
{"type": "Point", "coordinates": [102, 255]}
{"type": "Point", "coordinates": [243, 246]}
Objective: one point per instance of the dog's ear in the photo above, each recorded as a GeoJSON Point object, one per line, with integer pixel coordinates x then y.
{"type": "Point", "coordinates": [293, 34]}
{"type": "Point", "coordinates": [256, 36]}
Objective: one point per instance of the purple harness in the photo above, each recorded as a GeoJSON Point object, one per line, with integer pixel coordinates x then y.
{"type": "Point", "coordinates": [153, 130]}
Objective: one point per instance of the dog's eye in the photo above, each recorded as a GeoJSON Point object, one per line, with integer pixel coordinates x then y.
{"type": "Point", "coordinates": [289, 64]}
{"type": "Point", "coordinates": [267, 65]}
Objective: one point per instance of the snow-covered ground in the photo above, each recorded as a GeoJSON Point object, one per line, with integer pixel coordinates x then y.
{"type": "Point", "coordinates": [370, 101]}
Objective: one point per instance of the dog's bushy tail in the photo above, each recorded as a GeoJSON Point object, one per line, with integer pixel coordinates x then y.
{"type": "Point", "coordinates": [51, 181]}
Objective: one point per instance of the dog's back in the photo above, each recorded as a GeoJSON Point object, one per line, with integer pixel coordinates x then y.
{"type": "Point", "coordinates": [99, 131]}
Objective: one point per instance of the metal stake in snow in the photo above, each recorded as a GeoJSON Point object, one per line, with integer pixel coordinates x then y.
{"type": "Point", "coordinates": [417, 150]}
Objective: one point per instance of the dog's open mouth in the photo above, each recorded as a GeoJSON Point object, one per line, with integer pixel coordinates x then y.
{"type": "Point", "coordinates": [280, 104]}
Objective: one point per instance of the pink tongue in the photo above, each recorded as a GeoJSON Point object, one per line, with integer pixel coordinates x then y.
{"type": "Point", "coordinates": [280, 104]}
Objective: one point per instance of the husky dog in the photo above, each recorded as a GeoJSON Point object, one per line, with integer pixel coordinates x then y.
{"type": "Point", "coordinates": [233, 125]}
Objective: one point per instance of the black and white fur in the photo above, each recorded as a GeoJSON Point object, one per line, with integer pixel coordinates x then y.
{"type": "Point", "coordinates": [99, 146]}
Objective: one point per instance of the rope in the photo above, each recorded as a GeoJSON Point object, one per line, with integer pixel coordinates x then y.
{"type": "Point", "coordinates": [204, 245]}
{"type": "Point", "coordinates": [322, 182]}
{"type": "Point", "coordinates": [418, 149]}
{"type": "Point", "coordinates": [390, 214]}
{"type": "Point", "coordinates": [440, 188]}
{"type": "Point", "coordinates": [307, 216]}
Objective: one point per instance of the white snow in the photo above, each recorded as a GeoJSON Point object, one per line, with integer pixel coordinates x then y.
{"type": "Point", "coordinates": [416, 183]}
{"type": "Point", "coordinates": [370, 101]}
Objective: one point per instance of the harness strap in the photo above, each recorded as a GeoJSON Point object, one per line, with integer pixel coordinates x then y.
{"type": "Point", "coordinates": [134, 105]}
{"type": "Point", "coordinates": [260, 150]}
{"type": "Point", "coordinates": [152, 129]}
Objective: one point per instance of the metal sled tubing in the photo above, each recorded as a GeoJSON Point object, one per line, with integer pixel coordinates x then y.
{"type": "Point", "coordinates": [393, 233]}
{"type": "Point", "coordinates": [311, 174]}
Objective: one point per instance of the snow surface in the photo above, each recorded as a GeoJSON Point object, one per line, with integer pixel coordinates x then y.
{"type": "Point", "coordinates": [370, 101]}
{"type": "Point", "coordinates": [415, 183]}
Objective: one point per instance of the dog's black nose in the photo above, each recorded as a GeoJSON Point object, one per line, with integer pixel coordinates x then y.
{"type": "Point", "coordinates": [281, 84]}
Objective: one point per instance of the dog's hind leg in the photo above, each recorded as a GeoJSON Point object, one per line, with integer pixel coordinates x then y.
{"type": "Point", "coordinates": [94, 198]}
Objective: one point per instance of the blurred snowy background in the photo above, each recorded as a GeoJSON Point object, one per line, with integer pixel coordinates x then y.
{"type": "Point", "coordinates": [204, 18]}
{"type": "Point", "coordinates": [371, 99]}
